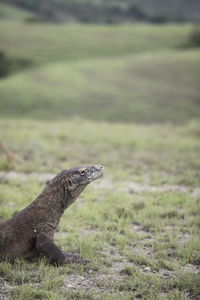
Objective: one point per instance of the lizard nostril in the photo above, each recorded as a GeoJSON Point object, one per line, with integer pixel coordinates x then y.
{"type": "Point", "coordinates": [70, 182]}
{"type": "Point", "coordinates": [99, 167]}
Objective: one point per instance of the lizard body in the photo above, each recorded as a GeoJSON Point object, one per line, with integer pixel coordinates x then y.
{"type": "Point", "coordinates": [30, 232]}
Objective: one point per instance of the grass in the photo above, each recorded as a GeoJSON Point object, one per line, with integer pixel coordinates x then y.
{"type": "Point", "coordinates": [114, 253]}
{"type": "Point", "coordinates": [68, 42]}
{"type": "Point", "coordinates": [156, 154]}
{"type": "Point", "coordinates": [10, 12]}
{"type": "Point", "coordinates": [141, 245]}
{"type": "Point", "coordinates": [122, 73]}
{"type": "Point", "coordinates": [128, 89]}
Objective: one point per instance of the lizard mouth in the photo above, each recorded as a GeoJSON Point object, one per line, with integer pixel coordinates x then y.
{"type": "Point", "coordinates": [97, 172]}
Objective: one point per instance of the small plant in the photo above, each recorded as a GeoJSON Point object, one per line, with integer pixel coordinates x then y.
{"type": "Point", "coordinates": [9, 65]}
{"type": "Point", "coordinates": [195, 37]}
{"type": "Point", "coordinates": [5, 64]}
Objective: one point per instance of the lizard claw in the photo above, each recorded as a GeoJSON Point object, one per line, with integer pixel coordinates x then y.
{"type": "Point", "coordinates": [73, 260]}
{"type": "Point", "coordinates": [71, 254]}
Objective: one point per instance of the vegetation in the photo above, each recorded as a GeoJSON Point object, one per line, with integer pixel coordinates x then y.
{"type": "Point", "coordinates": [9, 65]}
{"type": "Point", "coordinates": [122, 89]}
{"type": "Point", "coordinates": [87, 97]}
{"type": "Point", "coordinates": [136, 68]}
{"type": "Point", "coordinates": [142, 244]}
{"type": "Point", "coordinates": [166, 154]}
{"type": "Point", "coordinates": [10, 12]}
{"type": "Point", "coordinates": [41, 43]}
{"type": "Point", "coordinates": [195, 37]}
{"type": "Point", "coordinates": [112, 11]}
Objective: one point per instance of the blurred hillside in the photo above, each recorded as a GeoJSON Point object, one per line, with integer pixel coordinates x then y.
{"type": "Point", "coordinates": [112, 11]}
{"type": "Point", "coordinates": [140, 73]}
{"type": "Point", "coordinates": [144, 73]}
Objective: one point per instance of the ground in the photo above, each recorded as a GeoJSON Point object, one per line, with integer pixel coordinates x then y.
{"type": "Point", "coordinates": [138, 225]}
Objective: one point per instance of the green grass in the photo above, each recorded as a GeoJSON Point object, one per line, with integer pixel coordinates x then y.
{"type": "Point", "coordinates": [153, 262]}
{"type": "Point", "coordinates": [129, 73]}
{"type": "Point", "coordinates": [141, 244]}
{"type": "Point", "coordinates": [10, 12]}
{"type": "Point", "coordinates": [43, 43]}
{"type": "Point", "coordinates": [146, 88]}
{"type": "Point", "coordinates": [157, 154]}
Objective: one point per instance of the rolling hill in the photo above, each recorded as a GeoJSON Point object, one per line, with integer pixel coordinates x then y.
{"type": "Point", "coordinates": [46, 43]}
{"type": "Point", "coordinates": [123, 73]}
{"type": "Point", "coordinates": [145, 88]}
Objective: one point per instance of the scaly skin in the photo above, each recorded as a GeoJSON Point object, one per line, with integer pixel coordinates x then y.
{"type": "Point", "coordinates": [30, 232]}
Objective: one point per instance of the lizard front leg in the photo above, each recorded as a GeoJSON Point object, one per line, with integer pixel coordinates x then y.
{"type": "Point", "coordinates": [45, 246]}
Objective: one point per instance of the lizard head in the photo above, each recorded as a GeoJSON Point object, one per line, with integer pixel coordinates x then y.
{"type": "Point", "coordinates": [71, 182]}
{"type": "Point", "coordinates": [83, 175]}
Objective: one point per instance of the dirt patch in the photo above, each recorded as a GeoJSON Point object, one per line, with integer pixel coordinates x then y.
{"type": "Point", "coordinates": [135, 188]}
{"type": "Point", "coordinates": [139, 230]}
{"type": "Point", "coordinates": [22, 176]}
{"type": "Point", "coordinates": [96, 281]}
{"type": "Point", "coordinates": [86, 282]}
{"type": "Point", "coordinates": [190, 268]}
{"type": "Point", "coordinates": [4, 289]}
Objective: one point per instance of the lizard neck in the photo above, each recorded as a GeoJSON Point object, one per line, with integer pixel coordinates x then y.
{"type": "Point", "coordinates": [54, 199]}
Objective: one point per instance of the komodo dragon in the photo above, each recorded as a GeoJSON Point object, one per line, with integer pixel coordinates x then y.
{"type": "Point", "coordinates": [30, 232]}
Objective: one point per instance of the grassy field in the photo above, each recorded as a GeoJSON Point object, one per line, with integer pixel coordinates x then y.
{"type": "Point", "coordinates": [43, 43]}
{"type": "Point", "coordinates": [143, 88]}
{"type": "Point", "coordinates": [143, 244]}
{"type": "Point", "coordinates": [124, 96]}
{"type": "Point", "coordinates": [129, 73]}
{"type": "Point", "coordinates": [155, 154]}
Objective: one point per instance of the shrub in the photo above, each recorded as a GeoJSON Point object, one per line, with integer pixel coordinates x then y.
{"type": "Point", "coordinates": [195, 37]}
{"type": "Point", "coordinates": [9, 65]}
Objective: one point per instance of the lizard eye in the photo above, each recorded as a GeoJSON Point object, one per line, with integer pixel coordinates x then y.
{"type": "Point", "coordinates": [82, 171]}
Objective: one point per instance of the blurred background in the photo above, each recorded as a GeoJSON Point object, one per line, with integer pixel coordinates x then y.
{"type": "Point", "coordinates": [78, 61]}
{"type": "Point", "coordinates": [126, 61]}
